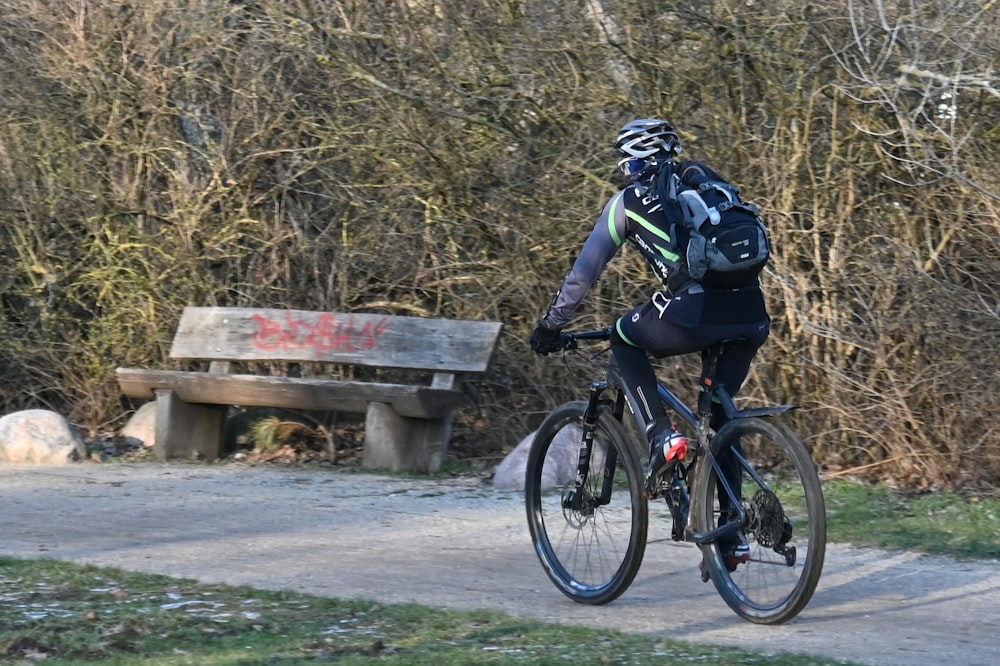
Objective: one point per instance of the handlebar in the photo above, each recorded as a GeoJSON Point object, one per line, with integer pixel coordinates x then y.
{"type": "Point", "coordinates": [570, 340]}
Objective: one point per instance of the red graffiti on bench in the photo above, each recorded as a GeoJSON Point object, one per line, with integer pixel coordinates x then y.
{"type": "Point", "coordinates": [323, 334]}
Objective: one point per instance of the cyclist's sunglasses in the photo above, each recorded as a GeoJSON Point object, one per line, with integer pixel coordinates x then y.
{"type": "Point", "coordinates": [632, 167]}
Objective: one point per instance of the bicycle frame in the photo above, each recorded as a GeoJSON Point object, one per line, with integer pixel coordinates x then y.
{"type": "Point", "coordinates": [699, 421]}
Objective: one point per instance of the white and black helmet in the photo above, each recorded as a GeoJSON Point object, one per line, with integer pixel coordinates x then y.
{"type": "Point", "coordinates": [645, 138]}
{"type": "Point", "coordinates": [643, 145]}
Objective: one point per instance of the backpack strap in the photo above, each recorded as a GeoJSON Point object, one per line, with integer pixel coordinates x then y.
{"type": "Point", "coordinates": [666, 184]}
{"type": "Point", "coordinates": [697, 211]}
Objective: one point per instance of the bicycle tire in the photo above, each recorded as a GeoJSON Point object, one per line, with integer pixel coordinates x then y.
{"type": "Point", "coordinates": [783, 569]}
{"type": "Point", "coordinates": [591, 553]}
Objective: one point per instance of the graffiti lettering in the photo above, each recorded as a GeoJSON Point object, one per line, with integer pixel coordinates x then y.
{"type": "Point", "coordinates": [325, 333]}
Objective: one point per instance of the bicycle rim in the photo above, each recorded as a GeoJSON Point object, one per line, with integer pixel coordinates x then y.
{"type": "Point", "coordinates": [785, 525]}
{"type": "Point", "coordinates": [591, 552]}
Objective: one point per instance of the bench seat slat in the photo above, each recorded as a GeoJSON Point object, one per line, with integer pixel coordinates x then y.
{"type": "Point", "coordinates": [289, 392]}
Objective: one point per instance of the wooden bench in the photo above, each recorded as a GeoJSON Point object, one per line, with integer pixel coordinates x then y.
{"type": "Point", "coordinates": [407, 425]}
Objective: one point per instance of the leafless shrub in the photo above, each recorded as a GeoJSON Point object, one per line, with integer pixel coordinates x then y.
{"type": "Point", "coordinates": [447, 159]}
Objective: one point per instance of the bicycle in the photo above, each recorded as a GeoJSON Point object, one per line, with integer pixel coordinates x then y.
{"type": "Point", "coordinates": [754, 479]}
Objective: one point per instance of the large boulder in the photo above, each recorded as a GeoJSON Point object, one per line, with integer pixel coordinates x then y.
{"type": "Point", "coordinates": [40, 437]}
{"type": "Point", "coordinates": [142, 425]}
{"type": "Point", "coordinates": [560, 463]}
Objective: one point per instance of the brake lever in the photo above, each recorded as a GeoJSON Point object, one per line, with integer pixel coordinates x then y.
{"type": "Point", "coordinates": [569, 343]}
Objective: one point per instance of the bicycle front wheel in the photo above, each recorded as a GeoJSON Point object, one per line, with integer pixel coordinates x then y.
{"type": "Point", "coordinates": [590, 539]}
{"type": "Point", "coordinates": [773, 479]}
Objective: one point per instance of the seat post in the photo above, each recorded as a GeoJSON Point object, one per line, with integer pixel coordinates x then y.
{"type": "Point", "coordinates": [709, 364]}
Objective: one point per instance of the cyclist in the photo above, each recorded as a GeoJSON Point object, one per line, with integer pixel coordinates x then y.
{"type": "Point", "coordinates": [681, 317]}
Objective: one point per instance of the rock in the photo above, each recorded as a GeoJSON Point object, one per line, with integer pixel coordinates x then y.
{"type": "Point", "coordinates": [41, 437]}
{"type": "Point", "coordinates": [142, 425]}
{"type": "Point", "coordinates": [560, 464]}
{"type": "Point", "coordinates": [116, 446]}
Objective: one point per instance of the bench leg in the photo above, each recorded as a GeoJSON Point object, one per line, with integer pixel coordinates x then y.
{"type": "Point", "coordinates": [185, 430]}
{"type": "Point", "coordinates": [403, 444]}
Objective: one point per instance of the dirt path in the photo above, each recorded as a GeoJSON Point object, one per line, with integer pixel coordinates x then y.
{"type": "Point", "coordinates": [461, 544]}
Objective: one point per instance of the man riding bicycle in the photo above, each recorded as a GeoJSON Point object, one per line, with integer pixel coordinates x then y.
{"type": "Point", "coordinates": [683, 316]}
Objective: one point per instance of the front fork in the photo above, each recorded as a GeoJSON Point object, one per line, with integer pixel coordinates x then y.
{"type": "Point", "coordinates": [578, 499]}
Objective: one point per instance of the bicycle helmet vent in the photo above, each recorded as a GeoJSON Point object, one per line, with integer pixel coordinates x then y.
{"type": "Point", "coordinates": [645, 138]}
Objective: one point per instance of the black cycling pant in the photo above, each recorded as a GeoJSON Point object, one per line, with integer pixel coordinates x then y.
{"type": "Point", "coordinates": [648, 330]}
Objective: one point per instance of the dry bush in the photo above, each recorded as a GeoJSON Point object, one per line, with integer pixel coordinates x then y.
{"type": "Point", "coordinates": [447, 159]}
{"type": "Point", "coordinates": [888, 296]}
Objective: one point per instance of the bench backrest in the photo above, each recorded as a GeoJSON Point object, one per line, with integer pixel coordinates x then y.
{"type": "Point", "coordinates": [250, 334]}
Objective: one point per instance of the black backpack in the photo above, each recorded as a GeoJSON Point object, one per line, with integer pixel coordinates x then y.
{"type": "Point", "coordinates": [727, 243]}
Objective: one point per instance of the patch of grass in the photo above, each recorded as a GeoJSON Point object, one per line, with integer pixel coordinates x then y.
{"type": "Point", "coordinates": [71, 614]}
{"type": "Point", "coordinates": [940, 523]}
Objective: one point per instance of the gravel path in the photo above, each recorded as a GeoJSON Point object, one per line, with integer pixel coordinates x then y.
{"type": "Point", "coordinates": [461, 544]}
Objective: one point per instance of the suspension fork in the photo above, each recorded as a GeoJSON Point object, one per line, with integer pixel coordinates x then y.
{"type": "Point", "coordinates": [590, 416]}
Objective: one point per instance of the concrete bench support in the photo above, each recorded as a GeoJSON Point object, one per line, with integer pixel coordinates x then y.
{"type": "Point", "coordinates": [404, 445]}
{"type": "Point", "coordinates": [187, 430]}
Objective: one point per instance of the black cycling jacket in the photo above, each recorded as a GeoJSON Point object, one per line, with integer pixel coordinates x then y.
{"type": "Point", "coordinates": [636, 215]}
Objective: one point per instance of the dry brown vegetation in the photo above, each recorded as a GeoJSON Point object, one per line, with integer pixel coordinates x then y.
{"type": "Point", "coordinates": [446, 158]}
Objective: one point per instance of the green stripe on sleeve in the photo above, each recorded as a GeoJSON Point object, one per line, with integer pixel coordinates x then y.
{"type": "Point", "coordinates": [611, 220]}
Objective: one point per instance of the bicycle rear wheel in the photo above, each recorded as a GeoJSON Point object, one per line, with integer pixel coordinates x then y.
{"type": "Point", "coordinates": [590, 540]}
{"type": "Point", "coordinates": [772, 472]}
